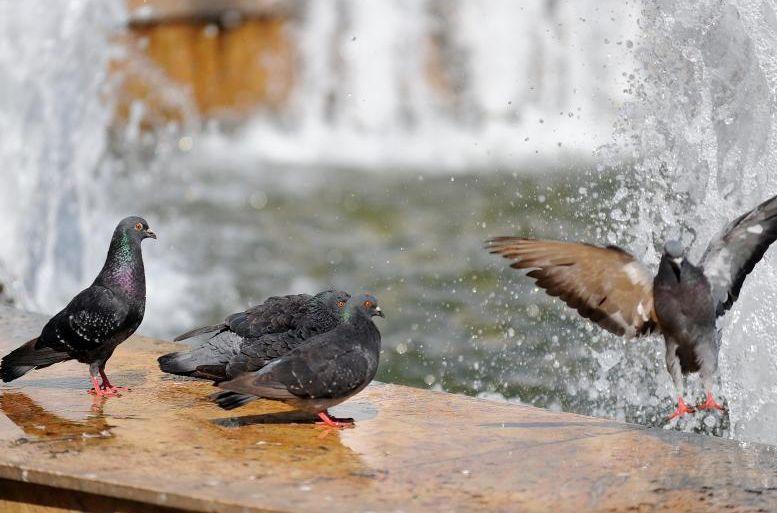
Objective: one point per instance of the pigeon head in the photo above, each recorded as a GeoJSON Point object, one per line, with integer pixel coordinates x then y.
{"type": "Point", "coordinates": [124, 263]}
{"type": "Point", "coordinates": [362, 305]}
{"type": "Point", "coordinates": [333, 300]}
{"type": "Point", "coordinates": [135, 228]}
{"type": "Point", "coordinates": [674, 250]}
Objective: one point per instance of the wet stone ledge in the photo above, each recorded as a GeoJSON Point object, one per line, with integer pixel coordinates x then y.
{"type": "Point", "coordinates": [162, 448]}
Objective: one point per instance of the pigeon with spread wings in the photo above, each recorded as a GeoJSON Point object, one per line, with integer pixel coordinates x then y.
{"type": "Point", "coordinates": [682, 301]}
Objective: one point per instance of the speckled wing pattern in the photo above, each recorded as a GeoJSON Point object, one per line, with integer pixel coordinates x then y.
{"type": "Point", "coordinates": [606, 285]}
{"type": "Point", "coordinates": [732, 255]}
{"type": "Point", "coordinates": [93, 317]}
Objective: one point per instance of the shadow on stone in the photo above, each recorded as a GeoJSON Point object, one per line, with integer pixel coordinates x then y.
{"type": "Point", "coordinates": [284, 417]}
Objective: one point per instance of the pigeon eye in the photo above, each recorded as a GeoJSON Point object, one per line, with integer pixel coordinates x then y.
{"type": "Point", "coordinates": [341, 303]}
{"type": "Point", "coordinates": [138, 226]}
{"type": "Point", "coordinates": [368, 304]}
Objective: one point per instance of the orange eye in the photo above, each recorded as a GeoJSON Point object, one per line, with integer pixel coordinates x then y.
{"type": "Point", "coordinates": [341, 303]}
{"type": "Point", "coordinates": [368, 304]}
{"type": "Point", "coordinates": [138, 227]}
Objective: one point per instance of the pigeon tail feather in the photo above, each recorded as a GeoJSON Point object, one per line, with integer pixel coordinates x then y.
{"type": "Point", "coordinates": [23, 359]}
{"type": "Point", "coordinates": [231, 400]}
{"type": "Point", "coordinates": [201, 331]}
{"type": "Point", "coordinates": [177, 363]}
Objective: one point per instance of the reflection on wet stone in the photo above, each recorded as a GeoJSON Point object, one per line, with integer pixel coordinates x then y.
{"type": "Point", "coordinates": [38, 423]}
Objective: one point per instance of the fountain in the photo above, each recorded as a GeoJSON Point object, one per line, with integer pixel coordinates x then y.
{"type": "Point", "coordinates": [436, 116]}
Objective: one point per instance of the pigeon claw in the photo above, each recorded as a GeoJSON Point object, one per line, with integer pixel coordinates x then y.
{"type": "Point", "coordinates": [104, 390]}
{"type": "Point", "coordinates": [334, 421]}
{"type": "Point", "coordinates": [682, 409]}
{"type": "Point", "coordinates": [710, 404]}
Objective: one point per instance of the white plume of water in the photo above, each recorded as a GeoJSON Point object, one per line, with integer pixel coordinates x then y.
{"type": "Point", "coordinates": [703, 133]}
{"type": "Point", "coordinates": [449, 85]}
{"type": "Point", "coordinates": [53, 120]}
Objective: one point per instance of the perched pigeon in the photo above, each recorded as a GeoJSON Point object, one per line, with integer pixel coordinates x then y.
{"type": "Point", "coordinates": [98, 319]}
{"type": "Point", "coordinates": [247, 341]}
{"type": "Point", "coordinates": [321, 373]}
{"type": "Point", "coordinates": [612, 288]}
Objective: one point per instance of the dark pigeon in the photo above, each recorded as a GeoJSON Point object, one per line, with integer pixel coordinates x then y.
{"type": "Point", "coordinates": [612, 288]}
{"type": "Point", "coordinates": [323, 372]}
{"type": "Point", "coordinates": [247, 341]}
{"type": "Point", "coordinates": [98, 319]}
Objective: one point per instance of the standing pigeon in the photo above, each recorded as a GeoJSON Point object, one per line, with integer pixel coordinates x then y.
{"type": "Point", "coordinates": [248, 340]}
{"type": "Point", "coordinates": [321, 373]}
{"type": "Point", "coordinates": [612, 288]}
{"type": "Point", "coordinates": [98, 319]}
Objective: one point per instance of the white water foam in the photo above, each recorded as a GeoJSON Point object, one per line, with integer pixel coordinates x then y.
{"type": "Point", "coordinates": [54, 113]}
{"type": "Point", "coordinates": [703, 135]}
{"type": "Point", "coordinates": [449, 86]}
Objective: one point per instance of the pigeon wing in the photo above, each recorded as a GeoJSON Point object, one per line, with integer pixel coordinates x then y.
{"type": "Point", "coordinates": [732, 255]}
{"type": "Point", "coordinates": [323, 368]}
{"type": "Point", "coordinates": [606, 285]}
{"type": "Point", "coordinates": [255, 353]}
{"type": "Point", "coordinates": [92, 318]}
{"type": "Point", "coordinates": [276, 314]}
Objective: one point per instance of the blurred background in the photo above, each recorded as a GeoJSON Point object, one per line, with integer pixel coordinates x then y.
{"type": "Point", "coordinates": [290, 146]}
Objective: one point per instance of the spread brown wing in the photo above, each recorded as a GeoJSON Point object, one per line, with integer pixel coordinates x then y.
{"type": "Point", "coordinates": [607, 285]}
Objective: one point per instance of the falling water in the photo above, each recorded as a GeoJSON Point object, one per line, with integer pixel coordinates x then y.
{"type": "Point", "coordinates": [702, 132]}
{"type": "Point", "coordinates": [443, 85]}
{"type": "Point", "coordinates": [54, 111]}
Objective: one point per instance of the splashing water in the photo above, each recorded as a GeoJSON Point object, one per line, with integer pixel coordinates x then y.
{"type": "Point", "coordinates": [702, 134]}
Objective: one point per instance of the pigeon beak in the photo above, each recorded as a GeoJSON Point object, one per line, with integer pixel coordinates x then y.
{"type": "Point", "coordinates": [150, 233]}
{"type": "Point", "coordinates": [379, 312]}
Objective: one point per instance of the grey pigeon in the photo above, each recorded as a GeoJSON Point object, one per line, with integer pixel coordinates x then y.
{"type": "Point", "coordinates": [98, 319]}
{"type": "Point", "coordinates": [612, 288]}
{"type": "Point", "coordinates": [323, 372]}
{"type": "Point", "coordinates": [248, 340]}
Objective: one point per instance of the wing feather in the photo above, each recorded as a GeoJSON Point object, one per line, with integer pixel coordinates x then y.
{"type": "Point", "coordinates": [608, 285]}
{"type": "Point", "coordinates": [733, 254]}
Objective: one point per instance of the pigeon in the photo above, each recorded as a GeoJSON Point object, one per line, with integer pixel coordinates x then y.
{"type": "Point", "coordinates": [682, 301]}
{"type": "Point", "coordinates": [98, 319]}
{"type": "Point", "coordinates": [248, 340]}
{"type": "Point", "coordinates": [323, 372]}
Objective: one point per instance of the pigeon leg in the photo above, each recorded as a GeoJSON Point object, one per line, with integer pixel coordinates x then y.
{"type": "Point", "coordinates": [709, 362]}
{"type": "Point", "coordinates": [710, 404]}
{"type": "Point", "coordinates": [675, 370]}
{"type": "Point", "coordinates": [107, 384]}
{"type": "Point", "coordinates": [334, 422]}
{"type": "Point", "coordinates": [97, 389]}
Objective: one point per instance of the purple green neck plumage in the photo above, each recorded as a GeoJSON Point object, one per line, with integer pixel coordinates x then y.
{"type": "Point", "coordinates": [124, 265]}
